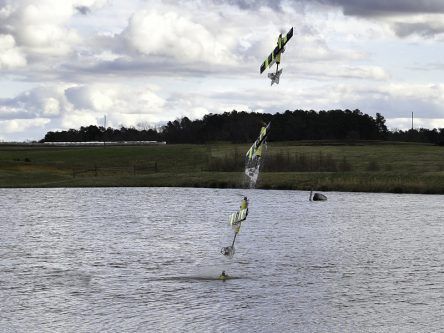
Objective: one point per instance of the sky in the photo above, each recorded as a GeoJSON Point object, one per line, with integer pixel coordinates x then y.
{"type": "Point", "coordinates": [71, 63]}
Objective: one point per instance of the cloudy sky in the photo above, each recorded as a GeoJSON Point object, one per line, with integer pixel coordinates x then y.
{"type": "Point", "coordinates": [66, 64]}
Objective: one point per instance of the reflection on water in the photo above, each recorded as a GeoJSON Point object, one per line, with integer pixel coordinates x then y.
{"type": "Point", "coordinates": [136, 259]}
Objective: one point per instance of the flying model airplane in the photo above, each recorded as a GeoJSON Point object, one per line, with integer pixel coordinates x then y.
{"type": "Point", "coordinates": [275, 57]}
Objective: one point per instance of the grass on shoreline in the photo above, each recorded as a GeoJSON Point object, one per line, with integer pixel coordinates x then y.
{"type": "Point", "coordinates": [398, 168]}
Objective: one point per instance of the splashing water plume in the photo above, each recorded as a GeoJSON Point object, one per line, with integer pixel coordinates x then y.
{"type": "Point", "coordinates": [252, 170]}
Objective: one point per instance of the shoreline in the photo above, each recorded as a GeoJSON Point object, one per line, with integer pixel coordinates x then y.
{"type": "Point", "coordinates": [372, 168]}
{"type": "Point", "coordinates": [397, 190]}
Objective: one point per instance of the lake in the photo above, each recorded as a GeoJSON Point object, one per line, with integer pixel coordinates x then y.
{"type": "Point", "coordinates": [147, 260]}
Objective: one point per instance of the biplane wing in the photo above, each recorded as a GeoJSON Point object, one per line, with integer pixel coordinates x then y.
{"type": "Point", "coordinates": [276, 54]}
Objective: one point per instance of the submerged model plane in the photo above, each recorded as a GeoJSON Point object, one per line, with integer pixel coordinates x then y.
{"type": "Point", "coordinates": [275, 57]}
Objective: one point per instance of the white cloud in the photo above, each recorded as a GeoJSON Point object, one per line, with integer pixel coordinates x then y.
{"type": "Point", "coordinates": [87, 98]}
{"type": "Point", "coordinates": [67, 106]}
{"type": "Point", "coordinates": [41, 27]}
{"type": "Point", "coordinates": [95, 57]}
{"type": "Point", "coordinates": [327, 71]}
{"type": "Point", "coordinates": [114, 98]}
{"type": "Point", "coordinates": [10, 55]}
{"type": "Point", "coordinates": [38, 26]}
{"type": "Point", "coordinates": [51, 107]}
{"type": "Point", "coordinates": [21, 125]}
{"type": "Point", "coordinates": [406, 123]}
{"type": "Point", "coordinates": [174, 35]}
{"type": "Point", "coordinates": [76, 119]}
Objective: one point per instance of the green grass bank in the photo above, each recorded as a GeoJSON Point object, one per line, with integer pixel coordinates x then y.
{"type": "Point", "coordinates": [326, 166]}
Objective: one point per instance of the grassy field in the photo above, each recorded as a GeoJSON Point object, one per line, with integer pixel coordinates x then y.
{"type": "Point", "coordinates": [367, 167]}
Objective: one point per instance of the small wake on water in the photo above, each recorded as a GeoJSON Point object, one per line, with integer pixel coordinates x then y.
{"type": "Point", "coordinates": [207, 273]}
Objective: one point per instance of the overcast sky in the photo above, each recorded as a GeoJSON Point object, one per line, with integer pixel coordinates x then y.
{"type": "Point", "coordinates": [66, 64]}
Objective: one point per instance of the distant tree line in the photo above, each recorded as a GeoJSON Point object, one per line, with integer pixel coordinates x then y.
{"type": "Point", "coordinates": [243, 127]}
{"type": "Point", "coordinates": [94, 133]}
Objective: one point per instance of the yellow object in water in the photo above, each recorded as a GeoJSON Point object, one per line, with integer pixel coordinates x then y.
{"type": "Point", "coordinates": [244, 204]}
{"type": "Point", "coordinates": [223, 276]}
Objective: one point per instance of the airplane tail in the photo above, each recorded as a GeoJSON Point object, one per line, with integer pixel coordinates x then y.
{"type": "Point", "coordinates": [274, 77]}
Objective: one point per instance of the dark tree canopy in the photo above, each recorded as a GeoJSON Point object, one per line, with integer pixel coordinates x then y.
{"type": "Point", "coordinates": [242, 127]}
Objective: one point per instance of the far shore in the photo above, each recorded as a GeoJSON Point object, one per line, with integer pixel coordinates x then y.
{"type": "Point", "coordinates": [321, 166]}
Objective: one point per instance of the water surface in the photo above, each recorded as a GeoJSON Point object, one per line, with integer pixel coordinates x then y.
{"type": "Point", "coordinates": [147, 259]}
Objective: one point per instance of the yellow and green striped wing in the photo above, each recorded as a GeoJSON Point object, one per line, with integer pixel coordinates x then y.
{"type": "Point", "coordinates": [275, 55]}
{"type": "Point", "coordinates": [287, 37]}
{"type": "Point", "coordinates": [270, 60]}
{"type": "Point", "coordinates": [255, 149]}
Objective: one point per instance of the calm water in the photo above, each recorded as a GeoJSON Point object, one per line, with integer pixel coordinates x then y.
{"type": "Point", "coordinates": [146, 259]}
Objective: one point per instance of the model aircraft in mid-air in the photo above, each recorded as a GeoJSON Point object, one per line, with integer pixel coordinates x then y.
{"type": "Point", "coordinates": [275, 57]}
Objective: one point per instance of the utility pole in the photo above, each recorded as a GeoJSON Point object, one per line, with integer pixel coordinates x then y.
{"type": "Point", "coordinates": [412, 121]}
{"type": "Point", "coordinates": [104, 129]}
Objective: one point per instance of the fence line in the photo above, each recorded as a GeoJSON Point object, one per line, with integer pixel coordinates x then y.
{"type": "Point", "coordinates": [131, 170]}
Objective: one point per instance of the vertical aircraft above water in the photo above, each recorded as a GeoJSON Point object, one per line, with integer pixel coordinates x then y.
{"type": "Point", "coordinates": [275, 57]}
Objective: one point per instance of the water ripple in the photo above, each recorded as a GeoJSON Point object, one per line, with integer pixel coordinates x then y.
{"type": "Point", "coordinates": [137, 259]}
